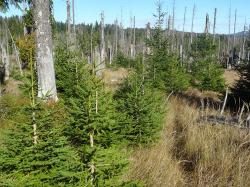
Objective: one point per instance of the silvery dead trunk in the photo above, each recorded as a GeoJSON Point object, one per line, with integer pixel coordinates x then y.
{"type": "Point", "coordinates": [148, 33]}
{"type": "Point", "coordinates": [214, 27]}
{"type": "Point", "coordinates": [44, 53]}
{"type": "Point", "coordinates": [7, 57]}
{"type": "Point", "coordinates": [206, 31]}
{"type": "Point", "coordinates": [24, 12]}
{"type": "Point", "coordinates": [5, 62]}
{"type": "Point", "coordinates": [116, 37]}
{"type": "Point", "coordinates": [68, 22]}
{"type": "Point", "coordinates": [134, 52]}
{"type": "Point", "coordinates": [192, 26]}
{"type": "Point", "coordinates": [101, 65]}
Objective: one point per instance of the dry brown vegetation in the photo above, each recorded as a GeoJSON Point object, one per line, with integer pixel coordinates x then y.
{"type": "Point", "coordinates": [231, 76]}
{"type": "Point", "coordinates": [194, 154]}
{"type": "Point", "coordinates": [113, 78]}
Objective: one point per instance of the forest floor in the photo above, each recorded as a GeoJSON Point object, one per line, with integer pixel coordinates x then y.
{"type": "Point", "coordinates": [190, 153]}
{"type": "Point", "coordinates": [231, 76]}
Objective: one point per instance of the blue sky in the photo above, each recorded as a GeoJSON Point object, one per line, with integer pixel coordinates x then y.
{"type": "Point", "coordinates": [88, 11]}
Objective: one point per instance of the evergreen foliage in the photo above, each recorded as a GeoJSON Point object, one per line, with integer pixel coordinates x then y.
{"type": "Point", "coordinates": [142, 111]}
{"type": "Point", "coordinates": [241, 90]}
{"type": "Point", "coordinates": [164, 68]}
{"type": "Point", "coordinates": [206, 71]}
{"type": "Point", "coordinates": [50, 162]}
{"type": "Point", "coordinates": [92, 126]}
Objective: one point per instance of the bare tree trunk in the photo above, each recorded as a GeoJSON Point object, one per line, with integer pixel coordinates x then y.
{"type": "Point", "coordinates": [235, 19]}
{"type": "Point", "coordinates": [24, 12]}
{"type": "Point", "coordinates": [148, 33]}
{"type": "Point", "coordinates": [122, 37]}
{"type": "Point", "coordinates": [68, 21]}
{"type": "Point", "coordinates": [16, 53]}
{"type": "Point", "coordinates": [7, 58]}
{"type": "Point", "coordinates": [91, 45]}
{"type": "Point", "coordinates": [116, 37]}
{"type": "Point", "coordinates": [244, 42]}
{"type": "Point", "coordinates": [182, 37]}
{"type": "Point", "coordinates": [173, 31]}
{"type": "Point", "coordinates": [224, 103]}
{"type": "Point", "coordinates": [130, 37]}
{"type": "Point", "coordinates": [207, 25]}
{"type": "Point", "coordinates": [101, 65]}
{"type": "Point", "coordinates": [134, 52]}
{"type": "Point", "coordinates": [169, 25]}
{"type": "Point", "coordinates": [192, 26]}
{"type": "Point", "coordinates": [73, 15]}
{"type": "Point", "coordinates": [44, 53]}
{"type": "Point", "coordinates": [214, 27]}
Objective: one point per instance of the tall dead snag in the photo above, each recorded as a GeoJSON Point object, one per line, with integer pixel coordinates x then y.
{"type": "Point", "coordinates": [73, 15]}
{"type": "Point", "coordinates": [132, 38]}
{"type": "Point", "coordinates": [235, 19]}
{"type": "Point", "coordinates": [214, 27]}
{"type": "Point", "coordinates": [116, 37]}
{"type": "Point", "coordinates": [24, 12]}
{"type": "Point", "coordinates": [122, 36]}
{"type": "Point", "coordinates": [173, 32]}
{"type": "Point", "coordinates": [68, 21]}
{"type": "Point", "coordinates": [169, 25]}
{"type": "Point", "coordinates": [207, 25]}
{"type": "Point", "coordinates": [229, 36]}
{"type": "Point", "coordinates": [192, 26]}
{"type": "Point", "coordinates": [244, 42]}
{"type": "Point", "coordinates": [148, 34]}
{"type": "Point", "coordinates": [182, 37]}
{"type": "Point", "coordinates": [44, 53]}
{"type": "Point", "coordinates": [101, 65]}
{"type": "Point", "coordinates": [7, 60]}
{"type": "Point", "coordinates": [134, 51]}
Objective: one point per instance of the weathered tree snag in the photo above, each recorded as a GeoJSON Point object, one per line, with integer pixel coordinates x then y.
{"type": "Point", "coordinates": [24, 12]}
{"type": "Point", "coordinates": [44, 53]}
{"type": "Point", "coordinates": [116, 37]}
{"type": "Point", "coordinates": [101, 64]}
{"type": "Point", "coordinates": [68, 21]}
{"type": "Point", "coordinates": [224, 103]}
{"type": "Point", "coordinates": [192, 26]}
{"type": "Point", "coordinates": [73, 15]}
{"type": "Point", "coordinates": [148, 34]}
{"type": "Point", "coordinates": [235, 19]}
{"type": "Point", "coordinates": [134, 52]}
{"type": "Point", "coordinates": [182, 38]}
{"type": "Point", "coordinates": [7, 60]}
{"type": "Point", "coordinates": [207, 25]}
{"type": "Point", "coordinates": [214, 27]}
{"type": "Point", "coordinates": [16, 53]}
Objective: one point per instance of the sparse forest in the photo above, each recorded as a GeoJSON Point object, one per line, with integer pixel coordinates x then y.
{"type": "Point", "coordinates": [104, 104]}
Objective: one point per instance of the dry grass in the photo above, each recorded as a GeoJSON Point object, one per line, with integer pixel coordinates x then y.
{"type": "Point", "coordinates": [231, 76]}
{"type": "Point", "coordinates": [191, 154]}
{"type": "Point", "coordinates": [113, 78]}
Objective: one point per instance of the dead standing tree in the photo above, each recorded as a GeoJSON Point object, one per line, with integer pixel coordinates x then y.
{"type": "Point", "coordinates": [101, 65]}
{"type": "Point", "coordinates": [182, 38]}
{"type": "Point", "coordinates": [44, 51]}
{"type": "Point", "coordinates": [68, 23]}
{"type": "Point", "coordinates": [214, 27]}
{"type": "Point", "coordinates": [206, 31]}
{"type": "Point", "coordinates": [192, 26]}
